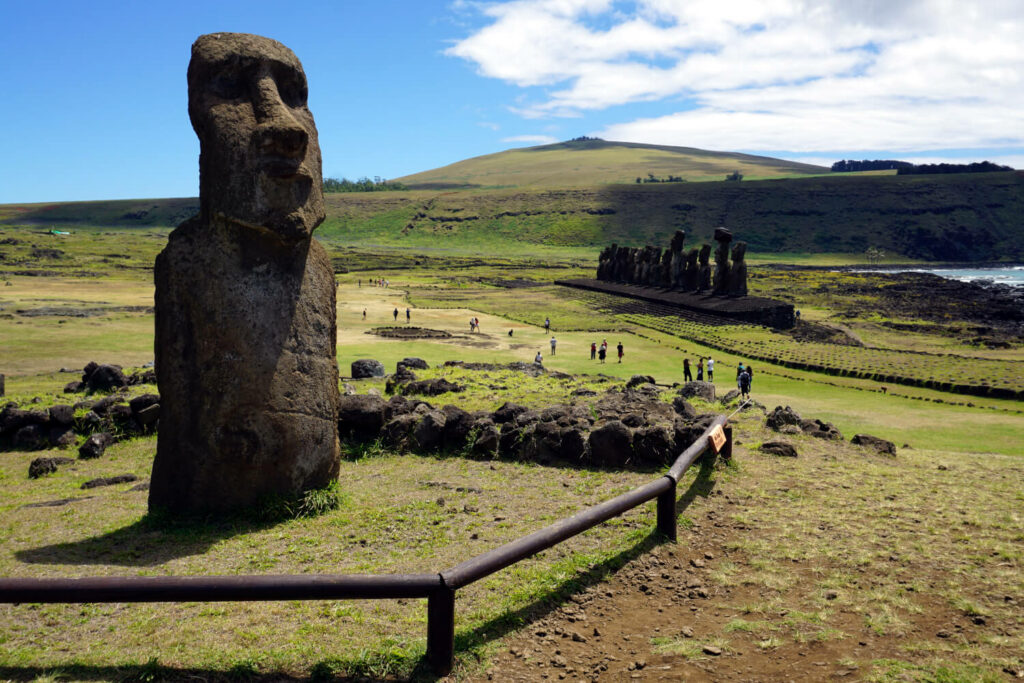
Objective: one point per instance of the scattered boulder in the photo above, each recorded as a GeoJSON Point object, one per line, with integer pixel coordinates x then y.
{"type": "Point", "coordinates": [780, 417]}
{"type": "Point", "coordinates": [432, 387]}
{"type": "Point", "coordinates": [573, 444]}
{"type": "Point", "coordinates": [508, 412]}
{"type": "Point", "coordinates": [148, 416]}
{"type": "Point", "coordinates": [457, 426]}
{"type": "Point", "coordinates": [63, 437]}
{"type": "Point", "coordinates": [74, 387]}
{"type": "Point", "coordinates": [414, 363]}
{"type": "Point", "coordinates": [62, 415]}
{"type": "Point", "coordinates": [611, 444]}
{"type": "Point", "coordinates": [31, 437]}
{"type": "Point", "coordinates": [103, 377]}
{"type": "Point", "coordinates": [780, 448]}
{"type": "Point", "coordinates": [875, 443]}
{"type": "Point", "coordinates": [683, 407]}
{"type": "Point", "coordinates": [141, 403]}
{"type": "Point", "coordinates": [487, 436]}
{"type": "Point", "coordinates": [821, 430]}
{"type": "Point", "coordinates": [637, 380]}
{"type": "Point", "coordinates": [701, 390]}
{"type": "Point", "coordinates": [365, 368]}
{"type": "Point", "coordinates": [401, 377]}
{"type": "Point", "coordinates": [109, 481]}
{"type": "Point", "coordinates": [654, 445]}
{"type": "Point", "coordinates": [95, 445]}
{"type": "Point", "coordinates": [361, 416]}
{"type": "Point", "coordinates": [730, 397]}
{"type": "Point", "coordinates": [688, 431]}
{"type": "Point", "coordinates": [43, 466]}
{"type": "Point", "coordinates": [397, 429]}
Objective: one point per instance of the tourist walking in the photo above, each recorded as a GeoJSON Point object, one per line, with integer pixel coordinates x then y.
{"type": "Point", "coordinates": [396, 314]}
{"type": "Point", "coordinates": [593, 350]}
{"type": "Point", "coordinates": [745, 384]}
{"type": "Point", "coordinates": [553, 343]}
{"type": "Point", "coordinates": [700, 369]}
{"type": "Point", "coordinates": [408, 316]}
{"type": "Point", "coordinates": [620, 351]}
{"type": "Point", "coordinates": [687, 375]}
{"type": "Point", "coordinates": [602, 352]}
{"type": "Point", "coordinates": [364, 314]}
{"type": "Point", "coordinates": [547, 324]}
{"type": "Point", "coordinates": [711, 369]}
{"type": "Point", "coordinates": [750, 371]}
{"type": "Point", "coordinates": [739, 371]}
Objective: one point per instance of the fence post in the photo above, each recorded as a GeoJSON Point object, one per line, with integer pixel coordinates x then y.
{"type": "Point", "coordinates": [667, 512]}
{"type": "Point", "coordinates": [726, 451]}
{"type": "Point", "coordinates": [441, 630]}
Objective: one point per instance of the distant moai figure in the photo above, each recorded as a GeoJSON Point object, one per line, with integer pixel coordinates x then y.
{"type": "Point", "coordinates": [738, 271]}
{"type": "Point", "coordinates": [636, 264]}
{"type": "Point", "coordinates": [704, 269]}
{"type": "Point", "coordinates": [604, 262]}
{"type": "Point", "coordinates": [245, 298]}
{"type": "Point", "coordinates": [721, 282]}
{"type": "Point", "coordinates": [677, 261]}
{"type": "Point", "coordinates": [692, 273]}
{"type": "Point", "coordinates": [652, 267]}
{"type": "Point", "coordinates": [666, 269]}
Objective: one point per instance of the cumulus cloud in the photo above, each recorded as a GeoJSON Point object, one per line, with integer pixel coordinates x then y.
{"type": "Point", "coordinates": [801, 75]}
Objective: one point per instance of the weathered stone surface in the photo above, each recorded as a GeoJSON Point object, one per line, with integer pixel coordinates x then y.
{"type": "Point", "coordinates": [414, 363]}
{"type": "Point", "coordinates": [486, 442]}
{"type": "Point", "coordinates": [31, 438]}
{"type": "Point", "coordinates": [140, 403]}
{"type": "Point", "coordinates": [62, 415]}
{"type": "Point", "coordinates": [738, 270]}
{"type": "Point", "coordinates": [43, 466]}
{"type": "Point", "coordinates": [95, 445]}
{"type": "Point", "coordinates": [74, 387]}
{"type": "Point", "coordinates": [245, 299]}
{"type": "Point", "coordinates": [780, 417]}
{"type": "Point", "coordinates": [396, 431]}
{"type": "Point", "coordinates": [780, 448]}
{"type": "Point", "coordinates": [361, 416]}
{"type": "Point", "coordinates": [701, 390]}
{"type": "Point", "coordinates": [366, 368]}
{"type": "Point", "coordinates": [431, 387]}
{"type": "Point", "coordinates": [109, 481]}
{"type": "Point", "coordinates": [637, 380]}
{"type": "Point", "coordinates": [457, 426]}
{"type": "Point", "coordinates": [611, 444]}
{"type": "Point", "coordinates": [683, 407]}
{"type": "Point", "coordinates": [687, 431]}
{"type": "Point", "coordinates": [104, 377]}
{"type": "Point", "coordinates": [654, 445]}
{"type": "Point", "coordinates": [731, 395]}
{"type": "Point", "coordinates": [704, 268]}
{"type": "Point", "coordinates": [508, 412]}
{"type": "Point", "coordinates": [821, 430]}
{"type": "Point", "coordinates": [875, 443]}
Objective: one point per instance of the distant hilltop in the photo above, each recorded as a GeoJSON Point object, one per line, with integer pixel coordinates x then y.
{"type": "Point", "coordinates": [586, 162]}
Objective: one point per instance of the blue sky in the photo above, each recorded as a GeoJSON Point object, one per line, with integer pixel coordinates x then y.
{"type": "Point", "coordinates": [94, 97]}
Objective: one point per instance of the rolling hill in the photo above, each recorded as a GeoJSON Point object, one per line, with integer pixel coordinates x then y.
{"type": "Point", "coordinates": [586, 163]}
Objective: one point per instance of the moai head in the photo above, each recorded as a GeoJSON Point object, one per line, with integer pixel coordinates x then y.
{"type": "Point", "coordinates": [705, 253]}
{"type": "Point", "coordinates": [722, 235]}
{"type": "Point", "coordinates": [677, 241]}
{"type": "Point", "coordinates": [691, 258]}
{"type": "Point", "coordinates": [739, 250]}
{"type": "Point", "coordinates": [259, 158]}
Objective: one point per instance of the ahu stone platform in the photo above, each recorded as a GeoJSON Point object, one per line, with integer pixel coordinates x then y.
{"type": "Point", "coordinates": [747, 309]}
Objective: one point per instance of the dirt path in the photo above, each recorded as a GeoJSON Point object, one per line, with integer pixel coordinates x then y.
{"type": "Point", "coordinates": [801, 570]}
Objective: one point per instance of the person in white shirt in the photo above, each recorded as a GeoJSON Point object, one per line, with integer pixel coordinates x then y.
{"type": "Point", "coordinates": [711, 369]}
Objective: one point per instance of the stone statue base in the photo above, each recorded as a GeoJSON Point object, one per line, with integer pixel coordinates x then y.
{"type": "Point", "coordinates": [748, 309]}
{"type": "Point", "coordinates": [245, 361]}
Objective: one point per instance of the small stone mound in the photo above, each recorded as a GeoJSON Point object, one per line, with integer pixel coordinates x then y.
{"type": "Point", "coordinates": [431, 387]}
{"type": "Point", "coordinates": [109, 481]}
{"type": "Point", "coordinates": [875, 443]}
{"type": "Point", "coordinates": [366, 368]}
{"type": "Point", "coordinates": [779, 448]}
{"type": "Point", "coordinates": [43, 466]}
{"type": "Point", "coordinates": [409, 333]}
{"type": "Point", "coordinates": [637, 380]}
{"type": "Point", "coordinates": [95, 445]}
{"type": "Point", "coordinates": [701, 390]}
{"type": "Point", "coordinates": [780, 417]}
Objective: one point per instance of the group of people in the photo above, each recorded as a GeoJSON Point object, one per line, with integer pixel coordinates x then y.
{"type": "Point", "coordinates": [744, 373]}
{"type": "Point", "coordinates": [377, 282]}
{"type": "Point", "coordinates": [408, 314]}
{"type": "Point", "coordinates": [474, 324]}
{"type": "Point", "coordinates": [601, 352]}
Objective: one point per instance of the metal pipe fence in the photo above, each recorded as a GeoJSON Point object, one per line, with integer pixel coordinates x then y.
{"type": "Point", "coordinates": [439, 589]}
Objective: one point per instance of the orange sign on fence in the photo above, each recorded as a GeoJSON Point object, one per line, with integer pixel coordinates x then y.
{"type": "Point", "coordinates": [717, 437]}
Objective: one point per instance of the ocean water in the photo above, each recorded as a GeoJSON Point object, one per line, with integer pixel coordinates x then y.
{"type": "Point", "coordinates": [1013, 275]}
{"type": "Point", "coordinates": [1010, 275]}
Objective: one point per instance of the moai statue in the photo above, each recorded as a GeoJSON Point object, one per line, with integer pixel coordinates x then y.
{"type": "Point", "coordinates": [636, 265]}
{"type": "Point", "coordinates": [704, 269]}
{"type": "Point", "coordinates": [677, 261]}
{"type": "Point", "coordinates": [738, 272]}
{"type": "Point", "coordinates": [245, 298]}
{"type": "Point", "coordinates": [666, 269]}
{"type": "Point", "coordinates": [692, 271]}
{"type": "Point", "coordinates": [652, 266]}
{"type": "Point", "coordinates": [604, 262]}
{"type": "Point", "coordinates": [721, 284]}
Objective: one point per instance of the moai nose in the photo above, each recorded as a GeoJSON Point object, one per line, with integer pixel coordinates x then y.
{"type": "Point", "coordinates": [280, 132]}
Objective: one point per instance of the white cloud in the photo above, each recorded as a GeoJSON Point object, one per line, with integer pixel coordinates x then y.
{"type": "Point", "coordinates": [799, 75]}
{"type": "Point", "coordinates": [536, 139]}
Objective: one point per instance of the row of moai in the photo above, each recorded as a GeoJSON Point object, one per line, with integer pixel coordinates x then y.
{"type": "Point", "coordinates": [673, 268]}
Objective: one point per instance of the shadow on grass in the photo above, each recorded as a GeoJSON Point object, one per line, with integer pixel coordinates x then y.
{"type": "Point", "coordinates": [152, 540]}
{"type": "Point", "coordinates": [149, 541]}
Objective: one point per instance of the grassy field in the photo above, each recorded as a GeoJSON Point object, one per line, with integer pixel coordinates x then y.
{"type": "Point", "coordinates": [955, 529]}
{"type": "Point", "coordinates": [597, 162]}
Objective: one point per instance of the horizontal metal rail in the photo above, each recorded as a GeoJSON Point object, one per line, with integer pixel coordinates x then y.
{"type": "Point", "coordinates": [219, 588]}
{"type": "Point", "coordinates": [439, 589]}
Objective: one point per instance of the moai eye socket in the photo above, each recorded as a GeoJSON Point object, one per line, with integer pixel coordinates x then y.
{"type": "Point", "coordinates": [291, 86]}
{"type": "Point", "coordinates": [227, 84]}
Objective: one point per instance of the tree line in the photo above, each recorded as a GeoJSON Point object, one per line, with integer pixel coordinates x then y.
{"type": "Point", "coordinates": [907, 168]}
{"type": "Point", "coordinates": [361, 185]}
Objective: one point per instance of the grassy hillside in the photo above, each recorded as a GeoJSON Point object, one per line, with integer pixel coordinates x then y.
{"type": "Point", "coordinates": [586, 163]}
{"type": "Point", "coordinates": [962, 217]}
